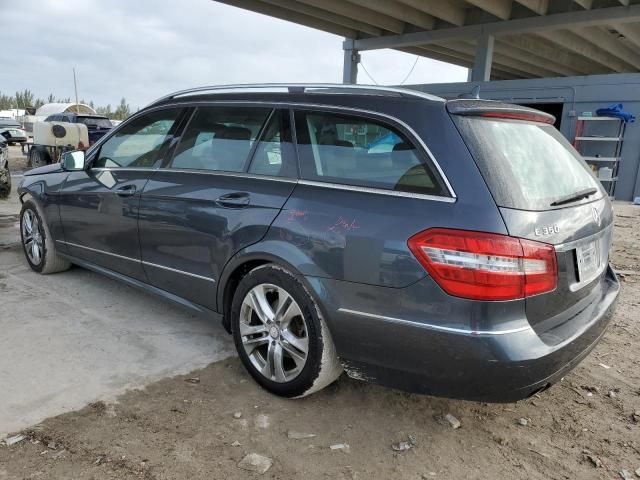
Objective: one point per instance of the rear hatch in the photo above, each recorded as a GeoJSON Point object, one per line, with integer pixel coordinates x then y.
{"type": "Point", "coordinates": [547, 193]}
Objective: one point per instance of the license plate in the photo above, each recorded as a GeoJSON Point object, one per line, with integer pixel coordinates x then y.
{"type": "Point", "coordinates": [588, 257]}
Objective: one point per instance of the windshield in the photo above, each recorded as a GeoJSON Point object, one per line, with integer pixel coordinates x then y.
{"type": "Point", "coordinates": [526, 165]}
{"type": "Point", "coordinates": [95, 122]}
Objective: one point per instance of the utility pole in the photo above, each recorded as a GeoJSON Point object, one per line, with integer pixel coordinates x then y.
{"type": "Point", "coordinates": [75, 87]}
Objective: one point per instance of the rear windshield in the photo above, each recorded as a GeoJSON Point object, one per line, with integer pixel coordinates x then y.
{"type": "Point", "coordinates": [527, 165]}
{"type": "Point", "coordinates": [95, 122]}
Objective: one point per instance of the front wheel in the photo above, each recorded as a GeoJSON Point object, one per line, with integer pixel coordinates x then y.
{"type": "Point", "coordinates": [38, 246]}
{"type": "Point", "coordinates": [280, 334]}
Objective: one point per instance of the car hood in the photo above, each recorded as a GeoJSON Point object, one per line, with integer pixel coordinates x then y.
{"type": "Point", "coordinates": [53, 168]}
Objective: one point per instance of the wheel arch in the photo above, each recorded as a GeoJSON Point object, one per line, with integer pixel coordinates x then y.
{"type": "Point", "coordinates": [241, 264]}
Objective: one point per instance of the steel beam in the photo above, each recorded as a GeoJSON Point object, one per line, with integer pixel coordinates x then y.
{"type": "Point", "coordinates": [446, 11]}
{"type": "Point", "coordinates": [325, 15]}
{"type": "Point", "coordinates": [630, 32]}
{"type": "Point", "coordinates": [610, 43]}
{"type": "Point", "coordinates": [399, 11]}
{"type": "Point", "coordinates": [365, 15]}
{"type": "Point", "coordinates": [522, 25]}
{"type": "Point", "coordinates": [586, 4]}
{"type": "Point", "coordinates": [554, 53]}
{"type": "Point", "coordinates": [291, 16]}
{"type": "Point", "coordinates": [481, 71]}
{"type": "Point", "coordinates": [498, 8]}
{"type": "Point", "coordinates": [350, 65]}
{"type": "Point", "coordinates": [538, 6]}
{"type": "Point", "coordinates": [576, 44]}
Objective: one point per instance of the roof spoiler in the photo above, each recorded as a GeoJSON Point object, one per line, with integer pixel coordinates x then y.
{"type": "Point", "coordinates": [493, 109]}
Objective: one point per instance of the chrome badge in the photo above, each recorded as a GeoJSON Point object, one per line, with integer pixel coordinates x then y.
{"type": "Point", "coordinates": [546, 230]}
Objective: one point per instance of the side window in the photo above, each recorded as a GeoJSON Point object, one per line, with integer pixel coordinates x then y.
{"type": "Point", "coordinates": [358, 151]}
{"type": "Point", "coordinates": [220, 138]}
{"type": "Point", "coordinates": [275, 154]}
{"type": "Point", "coordinates": [138, 143]}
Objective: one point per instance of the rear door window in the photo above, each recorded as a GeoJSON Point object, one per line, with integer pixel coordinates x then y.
{"type": "Point", "coordinates": [220, 138]}
{"type": "Point", "coordinates": [359, 151]}
{"type": "Point", "coordinates": [527, 165]}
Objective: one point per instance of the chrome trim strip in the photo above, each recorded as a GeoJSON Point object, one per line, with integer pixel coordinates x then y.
{"type": "Point", "coordinates": [379, 191]}
{"type": "Point", "coordinates": [122, 169]}
{"type": "Point", "coordinates": [563, 247]}
{"type": "Point", "coordinates": [99, 251]}
{"type": "Point", "coordinates": [231, 174]}
{"type": "Point", "coordinates": [393, 119]}
{"type": "Point", "coordinates": [430, 326]}
{"type": "Point", "coordinates": [136, 260]}
{"type": "Point", "coordinates": [178, 271]}
{"type": "Point", "coordinates": [299, 88]}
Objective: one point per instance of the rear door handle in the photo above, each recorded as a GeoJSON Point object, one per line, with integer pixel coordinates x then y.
{"type": "Point", "coordinates": [234, 200]}
{"type": "Point", "coordinates": [126, 191]}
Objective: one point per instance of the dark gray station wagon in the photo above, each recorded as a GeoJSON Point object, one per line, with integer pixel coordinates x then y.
{"type": "Point", "coordinates": [456, 248]}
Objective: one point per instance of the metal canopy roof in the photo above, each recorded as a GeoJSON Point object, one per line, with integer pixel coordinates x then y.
{"type": "Point", "coordinates": [514, 38]}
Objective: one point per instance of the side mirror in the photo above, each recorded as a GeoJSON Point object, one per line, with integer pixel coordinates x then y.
{"type": "Point", "coordinates": [73, 161]}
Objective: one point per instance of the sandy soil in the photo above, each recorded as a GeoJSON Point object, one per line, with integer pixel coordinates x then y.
{"type": "Point", "coordinates": [587, 426]}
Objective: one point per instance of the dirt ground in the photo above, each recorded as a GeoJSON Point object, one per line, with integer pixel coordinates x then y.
{"type": "Point", "coordinates": [200, 426]}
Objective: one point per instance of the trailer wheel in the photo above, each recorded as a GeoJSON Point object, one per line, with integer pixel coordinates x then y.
{"type": "Point", "coordinates": [39, 158]}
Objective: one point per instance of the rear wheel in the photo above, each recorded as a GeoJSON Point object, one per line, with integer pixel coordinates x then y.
{"type": "Point", "coordinates": [38, 246]}
{"type": "Point", "coordinates": [280, 334]}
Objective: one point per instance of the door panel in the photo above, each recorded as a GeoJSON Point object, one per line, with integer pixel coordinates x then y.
{"type": "Point", "coordinates": [101, 225]}
{"type": "Point", "coordinates": [195, 215]}
{"type": "Point", "coordinates": [99, 206]}
{"type": "Point", "coordinates": [183, 228]}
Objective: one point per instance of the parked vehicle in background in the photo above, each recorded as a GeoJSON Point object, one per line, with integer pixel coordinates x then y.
{"type": "Point", "coordinates": [65, 131]}
{"type": "Point", "coordinates": [456, 248]}
{"type": "Point", "coordinates": [97, 125]}
{"type": "Point", "coordinates": [5, 175]}
{"type": "Point", "coordinates": [16, 134]}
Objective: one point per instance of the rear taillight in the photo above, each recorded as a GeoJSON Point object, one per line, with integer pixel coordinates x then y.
{"type": "Point", "coordinates": [485, 266]}
{"type": "Point", "coordinates": [81, 145]}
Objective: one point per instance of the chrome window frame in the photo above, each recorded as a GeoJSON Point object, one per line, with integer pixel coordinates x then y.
{"type": "Point", "coordinates": [291, 105]}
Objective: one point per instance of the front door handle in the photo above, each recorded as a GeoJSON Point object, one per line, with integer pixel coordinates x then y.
{"type": "Point", "coordinates": [234, 200]}
{"type": "Point", "coordinates": [126, 191]}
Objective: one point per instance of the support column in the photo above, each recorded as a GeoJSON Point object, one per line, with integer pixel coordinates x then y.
{"type": "Point", "coordinates": [351, 60]}
{"type": "Point", "coordinates": [484, 56]}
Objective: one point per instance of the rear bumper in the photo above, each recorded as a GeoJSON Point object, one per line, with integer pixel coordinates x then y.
{"type": "Point", "coordinates": [504, 365]}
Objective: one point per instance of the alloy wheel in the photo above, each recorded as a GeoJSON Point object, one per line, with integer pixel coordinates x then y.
{"type": "Point", "coordinates": [273, 332]}
{"type": "Point", "coordinates": [32, 237]}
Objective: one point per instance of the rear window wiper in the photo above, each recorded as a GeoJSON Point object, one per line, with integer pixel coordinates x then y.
{"type": "Point", "coordinates": [575, 197]}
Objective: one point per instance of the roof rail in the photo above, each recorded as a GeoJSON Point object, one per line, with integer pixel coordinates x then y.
{"type": "Point", "coordinates": [302, 88]}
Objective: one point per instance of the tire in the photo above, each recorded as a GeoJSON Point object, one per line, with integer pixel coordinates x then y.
{"type": "Point", "coordinates": [284, 335]}
{"type": "Point", "coordinates": [5, 182]}
{"type": "Point", "coordinates": [34, 230]}
{"type": "Point", "coordinates": [38, 158]}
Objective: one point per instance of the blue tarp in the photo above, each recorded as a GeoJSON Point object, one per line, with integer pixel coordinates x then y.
{"type": "Point", "coordinates": [615, 110]}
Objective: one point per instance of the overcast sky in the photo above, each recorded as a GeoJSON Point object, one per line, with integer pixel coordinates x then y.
{"type": "Point", "coordinates": [142, 49]}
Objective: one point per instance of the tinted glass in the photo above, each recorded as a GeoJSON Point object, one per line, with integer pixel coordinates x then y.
{"type": "Point", "coordinates": [220, 138]}
{"type": "Point", "coordinates": [527, 165]}
{"type": "Point", "coordinates": [274, 154]}
{"type": "Point", "coordinates": [138, 143]}
{"type": "Point", "coordinates": [362, 152]}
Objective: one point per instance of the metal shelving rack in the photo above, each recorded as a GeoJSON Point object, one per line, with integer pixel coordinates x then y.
{"type": "Point", "coordinates": [585, 144]}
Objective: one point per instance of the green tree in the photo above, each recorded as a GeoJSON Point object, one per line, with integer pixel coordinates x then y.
{"type": "Point", "coordinates": [123, 110]}
{"type": "Point", "coordinates": [51, 98]}
{"type": "Point", "coordinates": [24, 99]}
